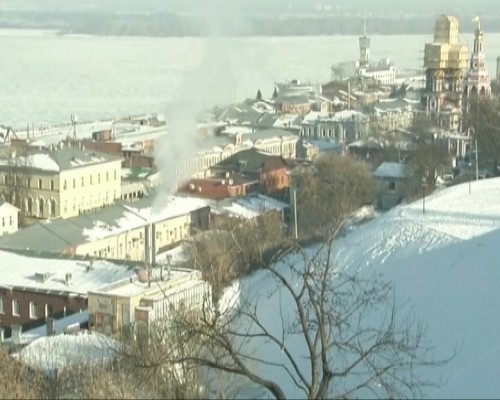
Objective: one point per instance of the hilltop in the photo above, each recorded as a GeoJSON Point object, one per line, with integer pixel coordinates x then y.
{"type": "Point", "coordinates": [444, 268]}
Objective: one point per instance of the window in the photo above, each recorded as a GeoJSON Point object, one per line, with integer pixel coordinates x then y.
{"type": "Point", "coordinates": [107, 176]}
{"type": "Point", "coordinates": [53, 207]}
{"type": "Point", "coordinates": [392, 185]}
{"type": "Point", "coordinates": [83, 182]}
{"type": "Point", "coordinates": [33, 310]}
{"type": "Point", "coordinates": [74, 183]}
{"type": "Point", "coordinates": [48, 310]}
{"type": "Point", "coordinates": [28, 182]}
{"type": "Point", "coordinates": [52, 185]}
{"type": "Point", "coordinates": [30, 205]}
{"type": "Point", "coordinates": [2, 305]}
{"type": "Point", "coordinates": [10, 220]}
{"type": "Point", "coordinates": [115, 174]}
{"type": "Point", "coordinates": [40, 206]}
{"type": "Point", "coordinates": [16, 308]}
{"type": "Point", "coordinates": [65, 186]}
{"type": "Point", "coordinates": [91, 179]}
{"type": "Point", "coordinates": [39, 183]}
{"type": "Point", "coordinates": [3, 221]}
{"type": "Point", "coordinates": [98, 178]}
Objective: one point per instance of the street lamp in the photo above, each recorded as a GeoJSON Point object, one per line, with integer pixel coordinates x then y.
{"type": "Point", "coordinates": [472, 132]}
{"type": "Point", "coordinates": [470, 165]}
{"type": "Point", "coordinates": [424, 184]}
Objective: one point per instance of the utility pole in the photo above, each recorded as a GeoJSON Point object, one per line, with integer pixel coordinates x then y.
{"type": "Point", "coordinates": [469, 177]}
{"type": "Point", "coordinates": [295, 214]}
{"type": "Point", "coordinates": [477, 161]}
{"type": "Point", "coordinates": [423, 195]}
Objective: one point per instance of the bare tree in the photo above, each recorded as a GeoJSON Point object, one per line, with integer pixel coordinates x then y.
{"type": "Point", "coordinates": [334, 334]}
{"type": "Point", "coordinates": [16, 171]}
{"type": "Point", "coordinates": [483, 117]}
{"type": "Point", "coordinates": [427, 161]}
{"type": "Point", "coordinates": [18, 381]}
{"type": "Point", "coordinates": [234, 248]}
{"type": "Point", "coordinates": [329, 191]}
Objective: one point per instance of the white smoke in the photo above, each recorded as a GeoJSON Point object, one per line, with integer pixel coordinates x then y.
{"type": "Point", "coordinates": [212, 81]}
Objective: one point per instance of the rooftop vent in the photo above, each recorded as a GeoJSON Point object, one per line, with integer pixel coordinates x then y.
{"type": "Point", "coordinates": [51, 326]}
{"type": "Point", "coordinates": [42, 277]}
{"type": "Point", "coordinates": [72, 329]}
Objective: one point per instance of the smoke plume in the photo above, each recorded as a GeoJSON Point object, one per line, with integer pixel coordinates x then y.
{"type": "Point", "coordinates": [208, 84]}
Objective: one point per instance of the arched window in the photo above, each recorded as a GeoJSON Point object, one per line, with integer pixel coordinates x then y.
{"type": "Point", "coordinates": [48, 310]}
{"type": "Point", "coordinates": [40, 206]}
{"type": "Point", "coordinates": [52, 208]}
{"type": "Point", "coordinates": [30, 206]}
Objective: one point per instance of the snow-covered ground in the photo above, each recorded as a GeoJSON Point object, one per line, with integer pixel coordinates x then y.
{"type": "Point", "coordinates": [52, 353]}
{"type": "Point", "coordinates": [444, 268]}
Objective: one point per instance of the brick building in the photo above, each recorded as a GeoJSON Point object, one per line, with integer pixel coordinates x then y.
{"type": "Point", "coordinates": [231, 185]}
{"type": "Point", "coordinates": [269, 170]}
{"type": "Point", "coordinates": [34, 288]}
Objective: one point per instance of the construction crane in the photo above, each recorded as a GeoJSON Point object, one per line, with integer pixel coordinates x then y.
{"type": "Point", "coordinates": [8, 134]}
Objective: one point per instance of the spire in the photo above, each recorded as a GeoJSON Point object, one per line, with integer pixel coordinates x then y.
{"type": "Point", "coordinates": [478, 20]}
{"type": "Point", "coordinates": [364, 27]}
{"type": "Point", "coordinates": [478, 36]}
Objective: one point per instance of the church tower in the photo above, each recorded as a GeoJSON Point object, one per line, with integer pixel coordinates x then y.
{"type": "Point", "coordinates": [477, 80]}
{"type": "Point", "coordinates": [364, 50]}
{"type": "Point", "coordinates": [445, 61]}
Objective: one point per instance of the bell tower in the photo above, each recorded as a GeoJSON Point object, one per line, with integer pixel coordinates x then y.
{"type": "Point", "coordinates": [477, 81]}
{"type": "Point", "coordinates": [364, 49]}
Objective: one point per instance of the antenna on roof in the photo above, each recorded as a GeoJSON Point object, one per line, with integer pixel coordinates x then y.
{"type": "Point", "coordinates": [364, 26]}
{"type": "Point", "coordinates": [74, 120]}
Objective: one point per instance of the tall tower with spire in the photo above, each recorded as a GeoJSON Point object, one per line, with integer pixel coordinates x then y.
{"type": "Point", "coordinates": [477, 81]}
{"type": "Point", "coordinates": [364, 49]}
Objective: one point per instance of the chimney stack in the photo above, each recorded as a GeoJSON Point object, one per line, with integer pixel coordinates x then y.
{"type": "Point", "coordinates": [51, 326]}
{"type": "Point", "coordinates": [16, 331]}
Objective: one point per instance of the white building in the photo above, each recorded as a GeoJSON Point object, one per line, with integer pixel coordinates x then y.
{"type": "Point", "coordinates": [344, 126]}
{"type": "Point", "coordinates": [154, 295]}
{"type": "Point", "coordinates": [9, 218]}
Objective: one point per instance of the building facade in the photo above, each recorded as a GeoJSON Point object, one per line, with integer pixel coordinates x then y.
{"type": "Point", "coordinates": [392, 184]}
{"type": "Point", "coordinates": [269, 170]}
{"type": "Point", "coordinates": [113, 309]}
{"type": "Point", "coordinates": [9, 218]}
{"type": "Point", "coordinates": [343, 127]}
{"type": "Point", "coordinates": [36, 288]}
{"type": "Point", "coordinates": [131, 232]}
{"type": "Point", "coordinates": [60, 182]}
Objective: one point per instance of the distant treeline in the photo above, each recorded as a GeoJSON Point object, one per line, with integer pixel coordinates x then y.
{"type": "Point", "coordinates": [169, 24]}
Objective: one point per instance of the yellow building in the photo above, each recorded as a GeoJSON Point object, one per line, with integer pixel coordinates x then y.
{"type": "Point", "coordinates": [62, 181]}
{"type": "Point", "coordinates": [135, 232]}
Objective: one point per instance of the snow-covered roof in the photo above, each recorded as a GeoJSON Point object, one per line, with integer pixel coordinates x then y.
{"type": "Point", "coordinates": [391, 170]}
{"type": "Point", "coordinates": [61, 324]}
{"type": "Point", "coordinates": [444, 268]}
{"type": "Point", "coordinates": [56, 159]}
{"type": "Point", "coordinates": [252, 206]}
{"type": "Point", "coordinates": [144, 212]}
{"type": "Point", "coordinates": [344, 115]}
{"type": "Point", "coordinates": [50, 273]}
{"type": "Point", "coordinates": [57, 352]}
{"type": "Point", "coordinates": [179, 277]}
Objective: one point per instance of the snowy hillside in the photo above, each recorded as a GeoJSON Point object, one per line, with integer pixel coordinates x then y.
{"type": "Point", "coordinates": [445, 265]}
